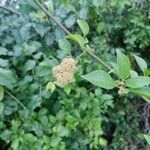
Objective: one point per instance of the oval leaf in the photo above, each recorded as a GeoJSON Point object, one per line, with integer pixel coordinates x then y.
{"type": "Point", "coordinates": [137, 82]}
{"type": "Point", "coordinates": [7, 78]}
{"type": "Point", "coordinates": [1, 93]}
{"type": "Point", "coordinates": [30, 64]}
{"type": "Point", "coordinates": [84, 26]}
{"type": "Point", "coordinates": [100, 78]}
{"type": "Point", "coordinates": [65, 45]}
{"type": "Point", "coordinates": [78, 39]}
{"type": "Point", "coordinates": [141, 63]}
{"type": "Point", "coordinates": [133, 74]}
{"type": "Point", "coordinates": [123, 64]}
{"type": "Point", "coordinates": [144, 91]}
{"type": "Point", "coordinates": [50, 86]}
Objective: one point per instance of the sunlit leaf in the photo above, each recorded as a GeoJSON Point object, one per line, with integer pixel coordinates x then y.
{"type": "Point", "coordinates": [123, 64]}
{"type": "Point", "coordinates": [100, 78]}
{"type": "Point", "coordinates": [137, 82]}
{"type": "Point", "coordinates": [141, 63]}
{"type": "Point", "coordinates": [78, 39]}
{"type": "Point", "coordinates": [84, 26]}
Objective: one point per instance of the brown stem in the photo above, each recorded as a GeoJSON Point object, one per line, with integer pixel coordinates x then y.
{"type": "Point", "coordinates": [88, 49]}
{"type": "Point", "coordinates": [10, 9]}
{"type": "Point", "coordinates": [15, 98]}
{"type": "Point", "coordinates": [51, 17]}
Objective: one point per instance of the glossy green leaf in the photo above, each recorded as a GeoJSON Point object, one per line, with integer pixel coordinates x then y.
{"type": "Point", "coordinates": [116, 68]}
{"type": "Point", "coordinates": [84, 26]}
{"type": "Point", "coordinates": [137, 82]}
{"type": "Point", "coordinates": [7, 78]}
{"type": "Point", "coordinates": [144, 91]}
{"type": "Point", "coordinates": [123, 64]}
{"type": "Point", "coordinates": [1, 93]}
{"type": "Point", "coordinates": [133, 74]}
{"type": "Point", "coordinates": [78, 39]}
{"type": "Point", "coordinates": [141, 63]}
{"type": "Point", "coordinates": [65, 45]}
{"type": "Point", "coordinates": [100, 78]}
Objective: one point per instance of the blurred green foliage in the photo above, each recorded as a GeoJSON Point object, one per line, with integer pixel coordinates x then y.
{"type": "Point", "coordinates": [79, 116]}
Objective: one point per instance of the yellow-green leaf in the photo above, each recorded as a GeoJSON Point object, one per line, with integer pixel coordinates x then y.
{"type": "Point", "coordinates": [123, 64]}
{"type": "Point", "coordinates": [141, 63]}
{"type": "Point", "coordinates": [50, 86]}
{"type": "Point", "coordinates": [78, 39]}
{"type": "Point", "coordinates": [84, 26]}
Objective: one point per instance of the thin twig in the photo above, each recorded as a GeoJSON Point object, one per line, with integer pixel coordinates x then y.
{"type": "Point", "coordinates": [88, 49]}
{"type": "Point", "coordinates": [10, 9]}
{"type": "Point", "coordinates": [80, 55]}
{"type": "Point", "coordinates": [51, 17]}
{"type": "Point", "coordinates": [15, 98]}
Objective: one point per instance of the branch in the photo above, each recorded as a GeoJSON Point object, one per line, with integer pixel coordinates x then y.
{"type": "Point", "coordinates": [10, 10]}
{"type": "Point", "coordinates": [88, 49]}
{"type": "Point", "coordinates": [15, 98]}
{"type": "Point", "coordinates": [90, 52]}
{"type": "Point", "coordinates": [51, 17]}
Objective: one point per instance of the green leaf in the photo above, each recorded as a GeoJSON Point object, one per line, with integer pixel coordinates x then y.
{"type": "Point", "coordinates": [15, 144]}
{"type": "Point", "coordinates": [1, 107]}
{"type": "Point", "coordinates": [147, 72]}
{"type": "Point", "coordinates": [147, 137]}
{"type": "Point", "coordinates": [3, 51]}
{"type": "Point", "coordinates": [67, 89]}
{"type": "Point", "coordinates": [144, 91]}
{"type": "Point", "coordinates": [102, 141]}
{"type": "Point", "coordinates": [123, 64]}
{"type": "Point", "coordinates": [137, 82]}
{"type": "Point", "coordinates": [65, 45]}
{"type": "Point", "coordinates": [84, 26]}
{"type": "Point", "coordinates": [141, 63]}
{"type": "Point", "coordinates": [50, 5]}
{"type": "Point", "coordinates": [4, 62]}
{"type": "Point", "coordinates": [78, 39]}
{"type": "Point", "coordinates": [50, 86]}
{"type": "Point", "coordinates": [1, 93]}
{"type": "Point", "coordinates": [7, 78]}
{"type": "Point", "coordinates": [133, 74]}
{"type": "Point", "coordinates": [98, 3]}
{"type": "Point", "coordinates": [30, 64]}
{"type": "Point", "coordinates": [100, 78]}
{"type": "Point", "coordinates": [116, 68]}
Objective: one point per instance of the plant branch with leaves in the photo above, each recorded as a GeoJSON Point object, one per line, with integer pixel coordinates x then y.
{"type": "Point", "coordinates": [128, 80]}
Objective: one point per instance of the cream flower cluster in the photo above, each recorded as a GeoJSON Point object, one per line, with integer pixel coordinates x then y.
{"type": "Point", "coordinates": [64, 72]}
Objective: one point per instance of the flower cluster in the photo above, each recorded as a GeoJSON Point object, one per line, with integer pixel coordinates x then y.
{"type": "Point", "coordinates": [122, 90]}
{"type": "Point", "coordinates": [64, 72]}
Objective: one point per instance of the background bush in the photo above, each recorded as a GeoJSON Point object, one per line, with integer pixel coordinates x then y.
{"type": "Point", "coordinates": [79, 116]}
